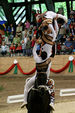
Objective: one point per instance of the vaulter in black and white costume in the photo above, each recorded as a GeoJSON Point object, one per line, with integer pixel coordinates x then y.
{"type": "Point", "coordinates": [43, 64]}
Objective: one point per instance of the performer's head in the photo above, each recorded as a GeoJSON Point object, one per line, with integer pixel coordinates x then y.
{"type": "Point", "coordinates": [43, 18]}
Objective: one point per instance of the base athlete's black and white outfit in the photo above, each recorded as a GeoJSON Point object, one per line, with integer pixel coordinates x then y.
{"type": "Point", "coordinates": [44, 64]}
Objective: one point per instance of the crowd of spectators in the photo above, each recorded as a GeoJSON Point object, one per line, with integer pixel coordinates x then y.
{"type": "Point", "coordinates": [66, 37]}
{"type": "Point", "coordinates": [20, 41]}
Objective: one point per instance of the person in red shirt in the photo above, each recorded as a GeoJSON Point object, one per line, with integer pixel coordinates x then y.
{"type": "Point", "coordinates": [33, 42]}
{"type": "Point", "coordinates": [37, 13]}
{"type": "Point", "coordinates": [12, 50]}
{"type": "Point", "coordinates": [38, 18]}
{"type": "Point", "coordinates": [19, 49]}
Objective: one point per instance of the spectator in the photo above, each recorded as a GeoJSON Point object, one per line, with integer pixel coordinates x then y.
{"type": "Point", "coordinates": [28, 47]}
{"type": "Point", "coordinates": [11, 37]}
{"type": "Point", "coordinates": [24, 33]}
{"type": "Point", "coordinates": [38, 18]}
{"type": "Point", "coordinates": [24, 42]}
{"type": "Point", "coordinates": [25, 39]}
{"type": "Point", "coordinates": [34, 31]}
{"type": "Point", "coordinates": [6, 37]}
{"type": "Point", "coordinates": [19, 49]}
{"type": "Point", "coordinates": [63, 39]}
{"type": "Point", "coordinates": [30, 33]}
{"type": "Point", "coordinates": [16, 40]}
{"type": "Point", "coordinates": [32, 43]}
{"type": "Point", "coordinates": [19, 30]}
{"type": "Point", "coordinates": [12, 50]}
{"type": "Point", "coordinates": [68, 46]}
{"type": "Point", "coordinates": [27, 24]}
{"type": "Point", "coordinates": [11, 28]}
{"type": "Point", "coordinates": [37, 13]}
{"type": "Point", "coordinates": [7, 34]}
{"type": "Point", "coordinates": [74, 51]}
{"type": "Point", "coordinates": [23, 48]}
{"type": "Point", "coordinates": [6, 40]}
{"type": "Point", "coordinates": [3, 49]}
{"type": "Point", "coordinates": [71, 18]}
{"type": "Point", "coordinates": [72, 30]}
{"type": "Point", "coordinates": [71, 37]}
{"type": "Point", "coordinates": [61, 33]}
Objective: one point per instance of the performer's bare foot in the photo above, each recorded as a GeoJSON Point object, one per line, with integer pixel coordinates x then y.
{"type": "Point", "coordinates": [23, 105]}
{"type": "Point", "coordinates": [52, 106]}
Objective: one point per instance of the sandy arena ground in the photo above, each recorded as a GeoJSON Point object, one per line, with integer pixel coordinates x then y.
{"type": "Point", "coordinates": [59, 108]}
{"type": "Point", "coordinates": [14, 85]}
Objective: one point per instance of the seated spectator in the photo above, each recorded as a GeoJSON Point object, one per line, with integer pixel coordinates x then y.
{"type": "Point", "coordinates": [63, 39]}
{"type": "Point", "coordinates": [71, 37]}
{"type": "Point", "coordinates": [19, 49]}
{"type": "Point", "coordinates": [12, 50]}
{"type": "Point", "coordinates": [74, 51]}
{"type": "Point", "coordinates": [28, 47]}
{"type": "Point", "coordinates": [3, 49]}
{"type": "Point", "coordinates": [68, 46]}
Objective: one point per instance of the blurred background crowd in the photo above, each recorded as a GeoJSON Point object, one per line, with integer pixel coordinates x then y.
{"type": "Point", "coordinates": [20, 40]}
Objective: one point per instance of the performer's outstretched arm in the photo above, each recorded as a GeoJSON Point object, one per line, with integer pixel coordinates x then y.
{"type": "Point", "coordinates": [56, 26]}
{"type": "Point", "coordinates": [51, 15]}
{"type": "Point", "coordinates": [62, 17]}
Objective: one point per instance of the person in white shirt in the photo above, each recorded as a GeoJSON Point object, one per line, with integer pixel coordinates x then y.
{"type": "Point", "coordinates": [25, 38]}
{"type": "Point", "coordinates": [23, 48]}
{"type": "Point", "coordinates": [3, 49]}
{"type": "Point", "coordinates": [19, 30]}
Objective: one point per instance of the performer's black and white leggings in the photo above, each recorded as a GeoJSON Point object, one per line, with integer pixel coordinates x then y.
{"type": "Point", "coordinates": [30, 83]}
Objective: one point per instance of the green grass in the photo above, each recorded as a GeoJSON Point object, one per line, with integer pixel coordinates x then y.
{"type": "Point", "coordinates": [1, 88]}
